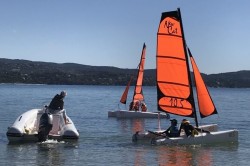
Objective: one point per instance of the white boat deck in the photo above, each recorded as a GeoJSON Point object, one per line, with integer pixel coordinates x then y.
{"type": "Point", "coordinates": [136, 114]}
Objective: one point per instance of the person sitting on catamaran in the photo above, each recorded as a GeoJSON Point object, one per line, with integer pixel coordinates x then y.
{"type": "Point", "coordinates": [56, 105]}
{"type": "Point", "coordinates": [131, 106]}
{"type": "Point", "coordinates": [137, 106]}
{"type": "Point", "coordinates": [173, 130]}
{"type": "Point", "coordinates": [188, 128]}
{"type": "Point", "coordinates": [191, 130]}
{"type": "Point", "coordinates": [143, 107]}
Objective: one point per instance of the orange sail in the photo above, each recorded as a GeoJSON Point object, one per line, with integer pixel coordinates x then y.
{"type": "Point", "coordinates": [138, 94]}
{"type": "Point", "coordinates": [205, 102]}
{"type": "Point", "coordinates": [123, 99]}
{"type": "Point", "coordinates": [174, 90]}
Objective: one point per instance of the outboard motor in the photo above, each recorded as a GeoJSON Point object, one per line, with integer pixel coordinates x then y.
{"type": "Point", "coordinates": [45, 125]}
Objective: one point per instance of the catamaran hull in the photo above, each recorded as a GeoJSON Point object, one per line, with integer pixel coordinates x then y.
{"type": "Point", "coordinates": [147, 136]}
{"type": "Point", "coordinates": [136, 114]}
{"type": "Point", "coordinates": [26, 126]}
{"type": "Point", "coordinates": [228, 136]}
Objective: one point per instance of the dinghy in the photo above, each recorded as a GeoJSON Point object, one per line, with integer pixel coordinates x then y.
{"type": "Point", "coordinates": [175, 87]}
{"type": "Point", "coordinates": [137, 108]}
{"type": "Point", "coordinates": [38, 125]}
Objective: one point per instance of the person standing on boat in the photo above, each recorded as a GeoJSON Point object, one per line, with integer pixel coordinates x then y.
{"type": "Point", "coordinates": [56, 105]}
{"type": "Point", "coordinates": [173, 130]}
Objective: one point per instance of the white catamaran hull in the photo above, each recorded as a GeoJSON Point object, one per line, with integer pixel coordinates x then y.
{"type": "Point", "coordinates": [26, 126]}
{"type": "Point", "coordinates": [202, 138]}
{"type": "Point", "coordinates": [136, 114]}
{"type": "Point", "coordinates": [228, 136]}
{"type": "Point", "coordinates": [147, 136]}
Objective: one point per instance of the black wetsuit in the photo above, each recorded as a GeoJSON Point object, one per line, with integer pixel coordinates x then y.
{"type": "Point", "coordinates": [57, 103]}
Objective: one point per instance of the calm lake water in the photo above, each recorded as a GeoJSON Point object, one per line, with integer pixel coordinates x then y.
{"type": "Point", "coordinates": [107, 141]}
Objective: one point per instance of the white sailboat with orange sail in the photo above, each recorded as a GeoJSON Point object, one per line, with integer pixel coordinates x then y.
{"type": "Point", "coordinates": [137, 108]}
{"type": "Point", "coordinates": [175, 88]}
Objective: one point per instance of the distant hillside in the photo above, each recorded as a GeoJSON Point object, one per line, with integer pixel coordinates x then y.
{"type": "Point", "coordinates": [239, 79]}
{"type": "Point", "coordinates": [23, 71]}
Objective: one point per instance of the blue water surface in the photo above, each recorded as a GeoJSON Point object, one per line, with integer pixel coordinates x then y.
{"type": "Point", "coordinates": [107, 141]}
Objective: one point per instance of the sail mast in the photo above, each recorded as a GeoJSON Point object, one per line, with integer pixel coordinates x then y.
{"type": "Point", "coordinates": [189, 72]}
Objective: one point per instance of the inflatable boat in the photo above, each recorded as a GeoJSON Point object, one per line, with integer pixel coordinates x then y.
{"type": "Point", "coordinates": [38, 125]}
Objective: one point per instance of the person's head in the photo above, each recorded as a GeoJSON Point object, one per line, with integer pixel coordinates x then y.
{"type": "Point", "coordinates": [173, 122]}
{"type": "Point", "coordinates": [185, 122]}
{"type": "Point", "coordinates": [63, 93]}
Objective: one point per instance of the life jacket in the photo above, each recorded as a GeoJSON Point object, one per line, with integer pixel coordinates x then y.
{"type": "Point", "coordinates": [174, 131]}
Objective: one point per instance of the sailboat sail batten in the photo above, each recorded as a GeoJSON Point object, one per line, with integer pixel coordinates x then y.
{"type": "Point", "coordinates": [163, 34]}
{"type": "Point", "coordinates": [162, 56]}
{"type": "Point", "coordinates": [173, 83]}
{"type": "Point", "coordinates": [174, 107]}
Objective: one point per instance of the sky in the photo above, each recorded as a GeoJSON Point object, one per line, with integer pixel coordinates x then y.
{"type": "Point", "coordinates": [112, 32]}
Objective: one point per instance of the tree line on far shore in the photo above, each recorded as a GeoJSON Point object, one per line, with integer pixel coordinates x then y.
{"type": "Point", "coordinates": [30, 72]}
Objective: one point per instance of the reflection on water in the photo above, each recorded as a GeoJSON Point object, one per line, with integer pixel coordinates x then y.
{"type": "Point", "coordinates": [176, 155]}
{"type": "Point", "coordinates": [132, 125]}
{"type": "Point", "coordinates": [50, 152]}
{"type": "Point", "coordinates": [183, 155]}
{"type": "Point", "coordinates": [137, 125]}
{"type": "Point", "coordinates": [140, 157]}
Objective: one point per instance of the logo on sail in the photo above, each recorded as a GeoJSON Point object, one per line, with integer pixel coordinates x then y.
{"type": "Point", "coordinates": [170, 26]}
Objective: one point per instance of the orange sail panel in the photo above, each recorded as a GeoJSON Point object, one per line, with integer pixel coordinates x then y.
{"type": "Point", "coordinates": [205, 102]}
{"type": "Point", "coordinates": [138, 94]}
{"type": "Point", "coordinates": [173, 79]}
{"type": "Point", "coordinates": [123, 99]}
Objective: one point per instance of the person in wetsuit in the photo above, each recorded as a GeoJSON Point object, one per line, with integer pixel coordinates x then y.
{"type": "Point", "coordinates": [57, 102]}
{"type": "Point", "coordinates": [56, 105]}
